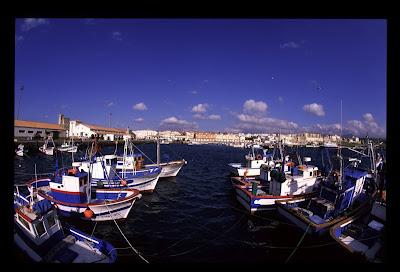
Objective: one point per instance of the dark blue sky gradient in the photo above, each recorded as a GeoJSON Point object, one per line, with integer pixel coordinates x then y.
{"type": "Point", "coordinates": [77, 67]}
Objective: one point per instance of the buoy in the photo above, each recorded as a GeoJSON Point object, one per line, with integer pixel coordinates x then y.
{"type": "Point", "coordinates": [88, 213]}
{"type": "Point", "coordinates": [123, 182]}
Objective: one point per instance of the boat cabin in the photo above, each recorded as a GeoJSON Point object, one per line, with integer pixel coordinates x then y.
{"type": "Point", "coordinates": [39, 223]}
{"type": "Point", "coordinates": [103, 167]}
{"type": "Point", "coordinates": [295, 180]}
{"type": "Point", "coordinates": [70, 188]}
{"type": "Point", "coordinates": [335, 197]}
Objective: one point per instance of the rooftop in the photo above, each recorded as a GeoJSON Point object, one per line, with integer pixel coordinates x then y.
{"type": "Point", "coordinates": [32, 124]}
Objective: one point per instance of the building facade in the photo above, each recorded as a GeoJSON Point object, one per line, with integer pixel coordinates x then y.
{"type": "Point", "coordinates": [29, 130]}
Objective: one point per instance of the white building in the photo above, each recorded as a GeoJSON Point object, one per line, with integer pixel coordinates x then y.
{"type": "Point", "coordinates": [145, 134]}
{"type": "Point", "coordinates": [79, 129]}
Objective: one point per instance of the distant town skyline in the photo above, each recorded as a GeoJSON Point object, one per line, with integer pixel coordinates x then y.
{"type": "Point", "coordinates": [222, 75]}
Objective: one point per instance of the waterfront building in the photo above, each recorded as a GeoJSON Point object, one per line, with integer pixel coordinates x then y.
{"type": "Point", "coordinates": [30, 129]}
{"type": "Point", "coordinates": [145, 134]}
{"type": "Point", "coordinates": [82, 130]}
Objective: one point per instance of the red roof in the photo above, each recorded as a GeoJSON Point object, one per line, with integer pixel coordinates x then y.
{"type": "Point", "coordinates": [41, 125]}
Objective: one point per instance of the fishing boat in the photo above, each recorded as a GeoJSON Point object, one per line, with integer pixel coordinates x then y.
{"type": "Point", "coordinates": [107, 172]}
{"type": "Point", "coordinates": [68, 147]}
{"type": "Point", "coordinates": [170, 168]}
{"type": "Point", "coordinates": [130, 161]}
{"type": "Point", "coordinates": [48, 146]}
{"type": "Point", "coordinates": [253, 163]}
{"type": "Point", "coordinates": [363, 233]}
{"type": "Point", "coordinates": [72, 194]}
{"type": "Point", "coordinates": [39, 233]}
{"type": "Point", "coordinates": [20, 151]}
{"type": "Point", "coordinates": [294, 181]}
{"type": "Point", "coordinates": [330, 144]}
{"type": "Point", "coordinates": [342, 194]}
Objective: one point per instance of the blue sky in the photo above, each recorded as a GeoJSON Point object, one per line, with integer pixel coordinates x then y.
{"type": "Point", "coordinates": [238, 75]}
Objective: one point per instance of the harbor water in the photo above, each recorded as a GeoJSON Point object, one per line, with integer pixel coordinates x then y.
{"type": "Point", "coordinates": [195, 217]}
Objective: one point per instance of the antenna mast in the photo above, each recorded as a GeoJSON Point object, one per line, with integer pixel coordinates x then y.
{"type": "Point", "coordinates": [340, 146]}
{"type": "Point", "coordinates": [19, 101]}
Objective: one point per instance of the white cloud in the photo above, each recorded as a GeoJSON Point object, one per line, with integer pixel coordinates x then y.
{"type": "Point", "coordinates": [117, 35]}
{"type": "Point", "coordinates": [358, 128]}
{"type": "Point", "coordinates": [110, 104]}
{"type": "Point", "coordinates": [315, 109]}
{"type": "Point", "coordinates": [290, 45]}
{"type": "Point", "coordinates": [30, 23]}
{"type": "Point", "coordinates": [368, 117]}
{"type": "Point", "coordinates": [263, 123]}
{"type": "Point", "coordinates": [214, 117]}
{"type": "Point", "coordinates": [193, 92]}
{"type": "Point", "coordinates": [200, 108]}
{"type": "Point", "coordinates": [367, 126]}
{"type": "Point", "coordinates": [140, 119]}
{"type": "Point", "coordinates": [280, 99]}
{"type": "Point", "coordinates": [173, 122]}
{"type": "Point", "coordinates": [254, 106]}
{"type": "Point", "coordinates": [139, 106]}
{"type": "Point", "coordinates": [209, 117]}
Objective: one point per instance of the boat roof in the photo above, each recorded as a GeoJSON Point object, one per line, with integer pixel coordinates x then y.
{"type": "Point", "coordinates": [355, 172]}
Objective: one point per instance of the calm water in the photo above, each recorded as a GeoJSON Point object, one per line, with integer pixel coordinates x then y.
{"type": "Point", "coordinates": [195, 217]}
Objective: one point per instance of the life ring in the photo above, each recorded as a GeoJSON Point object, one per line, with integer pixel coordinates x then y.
{"type": "Point", "coordinates": [123, 182]}
{"type": "Point", "coordinates": [259, 157]}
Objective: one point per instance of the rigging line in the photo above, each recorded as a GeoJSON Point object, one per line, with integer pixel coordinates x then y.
{"type": "Point", "coordinates": [298, 244]}
{"type": "Point", "coordinates": [91, 235]}
{"type": "Point", "coordinates": [204, 244]}
{"type": "Point", "coordinates": [126, 239]}
{"type": "Point", "coordinates": [174, 152]}
{"type": "Point", "coordinates": [143, 153]}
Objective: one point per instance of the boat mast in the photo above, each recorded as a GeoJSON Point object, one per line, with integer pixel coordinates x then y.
{"type": "Point", "coordinates": [19, 101]}
{"type": "Point", "coordinates": [158, 149]}
{"type": "Point", "coordinates": [340, 147]}
{"type": "Point", "coordinates": [124, 157]}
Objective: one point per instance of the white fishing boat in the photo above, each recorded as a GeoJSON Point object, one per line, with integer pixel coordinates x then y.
{"type": "Point", "coordinates": [68, 147]}
{"type": "Point", "coordinates": [38, 232]}
{"type": "Point", "coordinates": [287, 183]}
{"type": "Point", "coordinates": [48, 146]}
{"type": "Point", "coordinates": [73, 196]}
{"type": "Point", "coordinates": [135, 161]}
{"type": "Point", "coordinates": [330, 144]}
{"type": "Point", "coordinates": [253, 163]}
{"type": "Point", "coordinates": [20, 151]}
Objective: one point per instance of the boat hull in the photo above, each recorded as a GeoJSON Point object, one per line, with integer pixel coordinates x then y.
{"type": "Point", "coordinates": [303, 221]}
{"type": "Point", "coordinates": [103, 209]}
{"type": "Point", "coordinates": [145, 183]}
{"type": "Point", "coordinates": [170, 169]}
{"type": "Point", "coordinates": [256, 203]}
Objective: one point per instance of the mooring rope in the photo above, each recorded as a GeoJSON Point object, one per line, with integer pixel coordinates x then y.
{"type": "Point", "coordinates": [298, 244]}
{"type": "Point", "coordinates": [126, 239]}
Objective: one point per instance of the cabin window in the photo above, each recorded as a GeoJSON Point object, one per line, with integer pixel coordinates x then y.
{"type": "Point", "coordinates": [23, 221]}
{"type": "Point", "coordinates": [40, 228]}
{"type": "Point", "coordinates": [21, 131]}
{"type": "Point", "coordinates": [114, 161]}
{"type": "Point", "coordinates": [107, 162]}
{"type": "Point", "coordinates": [51, 220]}
{"type": "Point", "coordinates": [30, 131]}
{"type": "Point", "coordinates": [310, 174]}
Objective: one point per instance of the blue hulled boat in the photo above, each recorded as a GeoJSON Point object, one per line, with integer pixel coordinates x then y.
{"type": "Point", "coordinates": [39, 233]}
